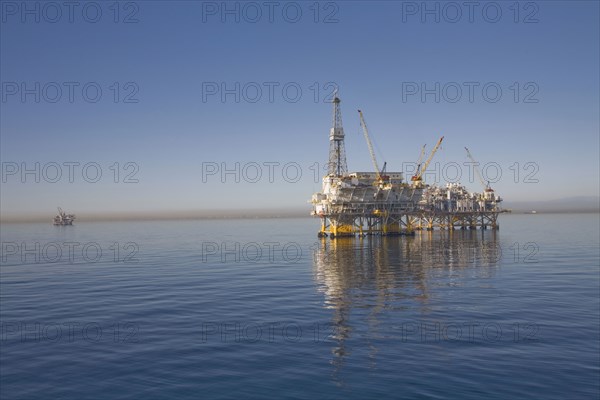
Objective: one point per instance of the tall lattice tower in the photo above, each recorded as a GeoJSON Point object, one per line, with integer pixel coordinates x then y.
{"type": "Point", "coordinates": [337, 152]}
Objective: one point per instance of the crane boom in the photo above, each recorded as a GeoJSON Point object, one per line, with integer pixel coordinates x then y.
{"type": "Point", "coordinates": [421, 158]}
{"type": "Point", "coordinates": [486, 185]}
{"type": "Point", "coordinates": [476, 168]}
{"type": "Point", "coordinates": [419, 175]}
{"type": "Point", "coordinates": [363, 124]}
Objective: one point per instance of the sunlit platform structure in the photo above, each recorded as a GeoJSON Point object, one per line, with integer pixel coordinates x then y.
{"type": "Point", "coordinates": [383, 203]}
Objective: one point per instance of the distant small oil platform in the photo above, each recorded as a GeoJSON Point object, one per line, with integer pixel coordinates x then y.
{"type": "Point", "coordinates": [383, 203]}
{"type": "Point", "coordinates": [63, 218]}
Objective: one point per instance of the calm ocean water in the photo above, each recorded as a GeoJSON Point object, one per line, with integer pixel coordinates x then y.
{"type": "Point", "coordinates": [264, 309]}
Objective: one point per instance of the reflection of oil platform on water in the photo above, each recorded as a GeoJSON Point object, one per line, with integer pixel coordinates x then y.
{"type": "Point", "coordinates": [382, 203]}
{"type": "Point", "coordinates": [365, 281]}
{"type": "Point", "coordinates": [63, 218]}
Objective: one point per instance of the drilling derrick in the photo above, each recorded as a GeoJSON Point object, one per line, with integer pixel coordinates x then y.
{"type": "Point", "coordinates": [337, 153]}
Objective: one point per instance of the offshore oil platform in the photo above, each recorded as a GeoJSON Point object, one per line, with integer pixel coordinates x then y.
{"type": "Point", "coordinates": [383, 203]}
{"type": "Point", "coordinates": [63, 218]}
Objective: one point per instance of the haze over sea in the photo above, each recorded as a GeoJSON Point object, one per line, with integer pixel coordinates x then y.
{"type": "Point", "coordinates": [261, 308]}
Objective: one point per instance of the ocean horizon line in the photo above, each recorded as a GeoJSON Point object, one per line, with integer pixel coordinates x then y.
{"type": "Point", "coordinates": [114, 217]}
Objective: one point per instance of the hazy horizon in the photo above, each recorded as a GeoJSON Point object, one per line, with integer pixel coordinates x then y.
{"type": "Point", "coordinates": [582, 204]}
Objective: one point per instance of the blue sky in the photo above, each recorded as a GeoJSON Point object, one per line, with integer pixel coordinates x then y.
{"type": "Point", "coordinates": [375, 52]}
